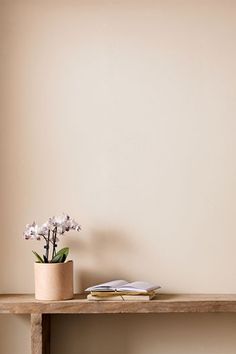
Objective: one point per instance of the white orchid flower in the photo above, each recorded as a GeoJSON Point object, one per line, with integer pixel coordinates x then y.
{"type": "Point", "coordinates": [43, 230]}
{"type": "Point", "coordinates": [75, 226]}
{"type": "Point", "coordinates": [31, 232]}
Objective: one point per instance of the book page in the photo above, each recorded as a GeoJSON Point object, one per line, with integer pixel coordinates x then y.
{"type": "Point", "coordinates": [138, 286]}
{"type": "Point", "coordinates": [108, 286]}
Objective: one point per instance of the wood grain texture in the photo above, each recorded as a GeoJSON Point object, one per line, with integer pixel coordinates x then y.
{"type": "Point", "coordinates": [40, 334]}
{"type": "Point", "coordinates": [164, 303]}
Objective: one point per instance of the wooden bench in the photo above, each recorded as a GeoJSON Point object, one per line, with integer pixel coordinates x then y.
{"type": "Point", "coordinates": [40, 311]}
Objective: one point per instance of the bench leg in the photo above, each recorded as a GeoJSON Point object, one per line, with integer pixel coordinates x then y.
{"type": "Point", "coordinates": [40, 333]}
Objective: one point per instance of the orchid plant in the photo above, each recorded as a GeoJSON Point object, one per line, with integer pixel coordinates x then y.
{"type": "Point", "coordinates": [50, 232]}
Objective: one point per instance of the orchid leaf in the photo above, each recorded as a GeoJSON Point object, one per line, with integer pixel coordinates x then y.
{"type": "Point", "coordinates": [40, 260]}
{"type": "Point", "coordinates": [60, 256]}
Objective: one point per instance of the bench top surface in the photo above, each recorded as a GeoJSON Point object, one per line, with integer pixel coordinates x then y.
{"type": "Point", "coordinates": [163, 303]}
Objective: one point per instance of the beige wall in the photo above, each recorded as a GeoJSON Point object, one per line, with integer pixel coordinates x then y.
{"type": "Point", "coordinates": [122, 113]}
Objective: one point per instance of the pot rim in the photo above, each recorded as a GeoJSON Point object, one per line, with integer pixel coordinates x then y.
{"type": "Point", "coordinates": [53, 264]}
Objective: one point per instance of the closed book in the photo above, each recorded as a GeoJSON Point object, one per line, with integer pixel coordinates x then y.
{"type": "Point", "coordinates": [121, 293]}
{"type": "Point", "coordinates": [119, 297]}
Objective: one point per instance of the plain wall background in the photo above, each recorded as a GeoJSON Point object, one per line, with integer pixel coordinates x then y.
{"type": "Point", "coordinates": [121, 113]}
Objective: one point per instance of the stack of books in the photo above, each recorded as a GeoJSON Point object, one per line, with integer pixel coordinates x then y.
{"type": "Point", "coordinates": [121, 290]}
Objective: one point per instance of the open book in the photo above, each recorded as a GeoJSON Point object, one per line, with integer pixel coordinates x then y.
{"type": "Point", "coordinates": [123, 287]}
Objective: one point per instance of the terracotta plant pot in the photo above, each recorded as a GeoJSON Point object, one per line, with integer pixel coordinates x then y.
{"type": "Point", "coordinates": [53, 281]}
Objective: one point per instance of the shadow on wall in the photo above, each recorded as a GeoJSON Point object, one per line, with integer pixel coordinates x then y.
{"type": "Point", "coordinates": [19, 328]}
{"type": "Point", "coordinates": [105, 253]}
{"type": "Point", "coordinates": [144, 334]}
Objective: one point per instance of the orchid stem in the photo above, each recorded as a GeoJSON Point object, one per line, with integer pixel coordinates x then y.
{"type": "Point", "coordinates": [54, 242]}
{"type": "Point", "coordinates": [47, 245]}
